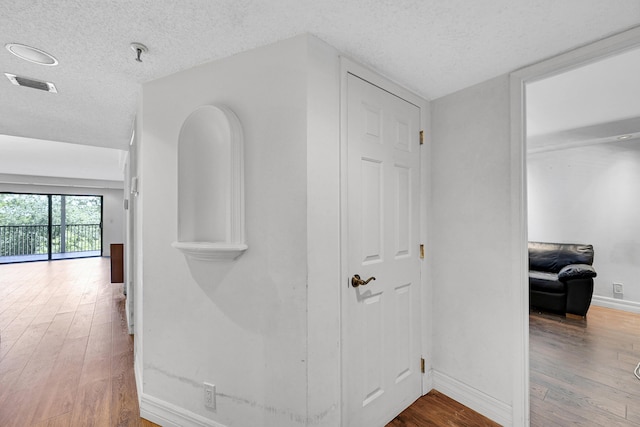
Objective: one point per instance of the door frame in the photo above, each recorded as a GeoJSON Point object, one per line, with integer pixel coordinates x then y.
{"type": "Point", "coordinates": [348, 66]}
{"type": "Point", "coordinates": [581, 56]}
{"type": "Point", "coordinates": [130, 230]}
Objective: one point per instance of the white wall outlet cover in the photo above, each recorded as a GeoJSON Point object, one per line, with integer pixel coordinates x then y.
{"type": "Point", "coordinates": [617, 288]}
{"type": "Point", "coordinates": [210, 396]}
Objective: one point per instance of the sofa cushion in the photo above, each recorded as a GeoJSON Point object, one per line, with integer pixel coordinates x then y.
{"type": "Point", "coordinates": [551, 257]}
{"type": "Point", "coordinates": [545, 282]}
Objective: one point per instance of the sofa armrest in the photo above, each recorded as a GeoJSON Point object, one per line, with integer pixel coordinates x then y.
{"type": "Point", "coordinates": [576, 271]}
{"type": "Point", "coordinates": [579, 293]}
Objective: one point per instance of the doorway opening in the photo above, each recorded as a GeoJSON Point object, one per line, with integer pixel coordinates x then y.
{"type": "Point", "coordinates": [43, 227]}
{"type": "Point", "coordinates": [583, 163]}
{"type": "Point", "coordinates": [520, 81]}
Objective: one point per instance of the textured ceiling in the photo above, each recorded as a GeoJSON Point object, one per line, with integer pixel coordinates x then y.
{"type": "Point", "coordinates": [433, 47]}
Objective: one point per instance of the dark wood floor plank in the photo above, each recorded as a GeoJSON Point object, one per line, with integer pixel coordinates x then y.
{"type": "Point", "coordinates": [582, 369]}
{"type": "Point", "coordinates": [437, 410]}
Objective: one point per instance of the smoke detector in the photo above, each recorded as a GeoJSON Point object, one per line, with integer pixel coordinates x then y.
{"type": "Point", "coordinates": [32, 83]}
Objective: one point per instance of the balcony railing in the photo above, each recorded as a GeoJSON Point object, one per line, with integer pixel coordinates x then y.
{"type": "Point", "coordinates": [33, 239]}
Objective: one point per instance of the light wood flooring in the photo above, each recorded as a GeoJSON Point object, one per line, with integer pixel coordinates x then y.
{"type": "Point", "coordinates": [66, 358]}
{"type": "Point", "coordinates": [582, 370]}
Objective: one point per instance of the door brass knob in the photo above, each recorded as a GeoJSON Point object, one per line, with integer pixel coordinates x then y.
{"type": "Point", "coordinates": [357, 281]}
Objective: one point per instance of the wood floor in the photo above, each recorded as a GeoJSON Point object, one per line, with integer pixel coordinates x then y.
{"type": "Point", "coordinates": [582, 370]}
{"type": "Point", "coordinates": [66, 358]}
{"type": "Point", "coordinates": [437, 410]}
{"type": "Point", "coordinates": [581, 374]}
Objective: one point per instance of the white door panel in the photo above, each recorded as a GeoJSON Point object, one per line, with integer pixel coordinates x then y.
{"type": "Point", "coordinates": [382, 318]}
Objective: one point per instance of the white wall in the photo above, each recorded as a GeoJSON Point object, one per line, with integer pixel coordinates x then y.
{"type": "Point", "coordinates": [470, 247]}
{"type": "Point", "coordinates": [593, 94]}
{"type": "Point", "coordinates": [129, 233]}
{"type": "Point", "coordinates": [112, 203]}
{"type": "Point", "coordinates": [250, 327]}
{"type": "Point", "coordinates": [590, 195]}
{"type": "Point", "coordinates": [27, 156]}
{"type": "Point", "coordinates": [113, 218]}
{"type": "Point", "coordinates": [323, 235]}
{"type": "Point", "coordinates": [137, 271]}
{"type": "Point", "coordinates": [265, 328]}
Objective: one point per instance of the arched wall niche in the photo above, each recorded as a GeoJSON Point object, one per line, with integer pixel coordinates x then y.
{"type": "Point", "coordinates": [211, 185]}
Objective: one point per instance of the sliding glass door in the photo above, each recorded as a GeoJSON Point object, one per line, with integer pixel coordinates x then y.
{"type": "Point", "coordinates": [76, 226]}
{"type": "Point", "coordinates": [36, 227]}
{"type": "Point", "coordinates": [24, 227]}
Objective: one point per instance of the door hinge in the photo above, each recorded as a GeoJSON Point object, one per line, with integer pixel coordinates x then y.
{"type": "Point", "coordinates": [422, 365]}
{"type": "Point", "coordinates": [421, 251]}
{"type": "Point", "coordinates": [421, 137]}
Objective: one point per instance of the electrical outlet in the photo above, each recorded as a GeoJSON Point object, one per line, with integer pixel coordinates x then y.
{"type": "Point", "coordinates": [210, 396]}
{"type": "Point", "coordinates": [617, 290]}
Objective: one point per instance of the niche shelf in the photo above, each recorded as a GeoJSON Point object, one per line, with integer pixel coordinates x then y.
{"type": "Point", "coordinates": [211, 185]}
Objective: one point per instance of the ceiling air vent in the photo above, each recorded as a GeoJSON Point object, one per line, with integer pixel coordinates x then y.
{"type": "Point", "coordinates": [32, 83]}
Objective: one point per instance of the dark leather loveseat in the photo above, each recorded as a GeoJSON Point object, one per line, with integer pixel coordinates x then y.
{"type": "Point", "coordinates": [561, 277]}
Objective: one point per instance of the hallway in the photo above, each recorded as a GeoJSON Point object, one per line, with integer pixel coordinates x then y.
{"type": "Point", "coordinates": [66, 358]}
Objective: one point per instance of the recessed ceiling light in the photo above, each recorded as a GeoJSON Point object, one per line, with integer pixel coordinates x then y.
{"type": "Point", "coordinates": [623, 137]}
{"type": "Point", "coordinates": [31, 54]}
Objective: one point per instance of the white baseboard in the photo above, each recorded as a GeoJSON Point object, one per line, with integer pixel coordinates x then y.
{"type": "Point", "coordinates": [618, 304]}
{"type": "Point", "coordinates": [480, 402]}
{"type": "Point", "coordinates": [137, 369]}
{"type": "Point", "coordinates": [129, 318]}
{"type": "Point", "coordinates": [169, 415]}
{"type": "Point", "coordinates": [427, 381]}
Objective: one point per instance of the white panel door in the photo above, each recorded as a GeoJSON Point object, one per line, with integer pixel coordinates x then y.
{"type": "Point", "coordinates": [382, 338]}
